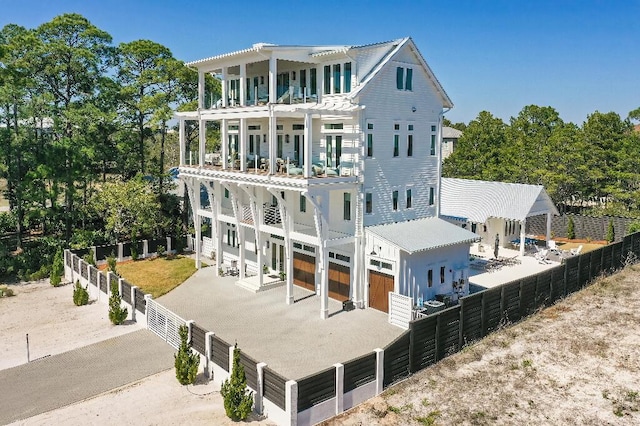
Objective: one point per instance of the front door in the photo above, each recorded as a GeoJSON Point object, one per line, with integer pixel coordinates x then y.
{"type": "Point", "coordinates": [379, 287]}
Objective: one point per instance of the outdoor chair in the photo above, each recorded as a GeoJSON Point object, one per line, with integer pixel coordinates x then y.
{"type": "Point", "coordinates": [542, 256]}
{"type": "Point", "coordinates": [576, 251]}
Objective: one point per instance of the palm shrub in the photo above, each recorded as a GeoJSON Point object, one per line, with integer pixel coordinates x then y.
{"type": "Point", "coordinates": [80, 295]}
{"type": "Point", "coordinates": [186, 362]}
{"type": "Point", "coordinates": [238, 400]}
{"type": "Point", "coordinates": [571, 232]}
{"type": "Point", "coordinates": [117, 314]}
{"type": "Point", "coordinates": [57, 269]}
{"type": "Point", "coordinates": [611, 232]}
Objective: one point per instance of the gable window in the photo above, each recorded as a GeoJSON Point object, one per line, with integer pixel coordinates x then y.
{"type": "Point", "coordinates": [408, 83]}
{"type": "Point", "coordinates": [430, 277]}
{"type": "Point", "coordinates": [368, 203]}
{"type": "Point", "coordinates": [347, 206]}
{"type": "Point", "coordinates": [347, 77]}
{"type": "Point", "coordinates": [442, 275]}
{"type": "Point", "coordinates": [303, 203]}
{"type": "Point", "coordinates": [336, 78]}
{"type": "Point", "coordinates": [395, 200]}
{"type": "Point", "coordinates": [327, 79]}
{"type": "Point", "coordinates": [431, 196]}
{"type": "Point", "coordinates": [400, 78]}
{"type": "Point", "coordinates": [433, 140]}
{"type": "Point", "coordinates": [409, 145]}
{"type": "Point", "coordinates": [408, 198]}
{"type": "Point", "coordinates": [404, 81]}
{"type": "Point", "coordinates": [396, 148]}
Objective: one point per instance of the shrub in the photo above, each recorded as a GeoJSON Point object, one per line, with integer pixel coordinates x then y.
{"type": "Point", "coordinates": [238, 400]}
{"type": "Point", "coordinates": [117, 314]}
{"type": "Point", "coordinates": [80, 295]}
{"type": "Point", "coordinates": [57, 269]}
{"type": "Point", "coordinates": [571, 232]}
{"type": "Point", "coordinates": [90, 257]}
{"type": "Point", "coordinates": [160, 250]}
{"type": "Point", "coordinates": [634, 227]}
{"type": "Point", "coordinates": [111, 263]}
{"type": "Point", "coordinates": [186, 362]}
{"type": "Point", "coordinates": [6, 292]}
{"type": "Point", "coordinates": [134, 250]}
{"type": "Point", "coordinates": [611, 232]}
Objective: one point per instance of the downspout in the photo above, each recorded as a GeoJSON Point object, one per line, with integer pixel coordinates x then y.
{"type": "Point", "coordinates": [440, 119]}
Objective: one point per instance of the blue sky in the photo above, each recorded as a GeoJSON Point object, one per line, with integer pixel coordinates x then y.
{"type": "Point", "coordinates": [576, 56]}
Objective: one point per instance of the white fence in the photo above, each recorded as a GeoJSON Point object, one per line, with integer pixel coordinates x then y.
{"type": "Point", "coordinates": [400, 310]}
{"type": "Point", "coordinates": [164, 323]}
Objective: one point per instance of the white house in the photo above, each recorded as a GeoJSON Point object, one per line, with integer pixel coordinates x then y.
{"type": "Point", "coordinates": [330, 157]}
{"type": "Point", "coordinates": [450, 138]}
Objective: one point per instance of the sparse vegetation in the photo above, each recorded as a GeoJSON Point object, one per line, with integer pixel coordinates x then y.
{"type": "Point", "coordinates": [117, 314]}
{"type": "Point", "coordinates": [186, 362]}
{"type": "Point", "coordinates": [6, 291]}
{"type": "Point", "coordinates": [80, 294]}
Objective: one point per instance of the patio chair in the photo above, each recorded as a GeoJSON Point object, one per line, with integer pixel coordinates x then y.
{"type": "Point", "coordinates": [576, 251]}
{"type": "Point", "coordinates": [542, 256]}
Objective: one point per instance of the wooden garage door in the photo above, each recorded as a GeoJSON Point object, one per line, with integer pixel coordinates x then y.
{"type": "Point", "coordinates": [339, 280]}
{"type": "Point", "coordinates": [379, 287]}
{"type": "Point", "coordinates": [304, 271]}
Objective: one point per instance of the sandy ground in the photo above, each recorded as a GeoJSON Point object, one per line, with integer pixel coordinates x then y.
{"type": "Point", "coordinates": [53, 322]}
{"type": "Point", "coordinates": [56, 325]}
{"type": "Point", "coordinates": [575, 363]}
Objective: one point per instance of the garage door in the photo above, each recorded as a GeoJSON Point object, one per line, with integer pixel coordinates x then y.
{"type": "Point", "coordinates": [379, 287]}
{"type": "Point", "coordinates": [304, 271]}
{"type": "Point", "coordinates": [339, 280]}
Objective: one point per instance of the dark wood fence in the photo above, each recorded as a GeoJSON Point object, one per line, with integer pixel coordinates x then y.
{"type": "Point", "coordinates": [102, 252]}
{"type": "Point", "coordinates": [359, 371]}
{"type": "Point", "coordinates": [396, 359]}
{"type": "Point", "coordinates": [93, 276]}
{"type": "Point", "coordinates": [274, 387]}
{"type": "Point", "coordinates": [220, 352]}
{"type": "Point", "coordinates": [140, 302]}
{"type": "Point", "coordinates": [250, 370]}
{"type": "Point", "coordinates": [103, 282]}
{"type": "Point", "coordinates": [198, 339]}
{"type": "Point", "coordinates": [126, 291]}
{"type": "Point", "coordinates": [317, 388]}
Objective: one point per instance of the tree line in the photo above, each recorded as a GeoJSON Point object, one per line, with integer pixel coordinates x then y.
{"type": "Point", "coordinates": [84, 130]}
{"type": "Point", "coordinates": [593, 167]}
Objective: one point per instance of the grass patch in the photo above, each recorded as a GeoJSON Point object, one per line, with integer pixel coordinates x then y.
{"type": "Point", "coordinates": [159, 275]}
{"type": "Point", "coordinates": [586, 247]}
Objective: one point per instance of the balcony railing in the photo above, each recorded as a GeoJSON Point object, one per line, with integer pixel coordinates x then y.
{"type": "Point", "coordinates": [272, 215]}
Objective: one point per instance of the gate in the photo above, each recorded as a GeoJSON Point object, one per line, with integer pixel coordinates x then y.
{"type": "Point", "coordinates": [164, 323]}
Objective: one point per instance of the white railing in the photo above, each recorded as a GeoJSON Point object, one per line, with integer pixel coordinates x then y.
{"type": "Point", "coordinates": [164, 323]}
{"type": "Point", "coordinates": [272, 215]}
{"type": "Point", "coordinates": [247, 217]}
{"type": "Point", "coordinates": [400, 310]}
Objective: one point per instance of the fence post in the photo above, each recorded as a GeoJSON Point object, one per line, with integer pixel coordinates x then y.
{"type": "Point", "coordinates": [147, 299]}
{"type": "Point", "coordinates": [231, 348]}
{"type": "Point", "coordinates": [145, 248]}
{"type": "Point", "coordinates": [379, 370]}
{"type": "Point", "coordinates": [260, 387]}
{"type": "Point", "coordinates": [461, 325]}
{"type": "Point", "coordinates": [291, 402]}
{"type": "Point", "coordinates": [208, 353]}
{"type": "Point", "coordinates": [133, 302]}
{"type": "Point", "coordinates": [168, 244]}
{"type": "Point", "coordinates": [95, 256]}
{"type": "Point", "coordinates": [339, 388]}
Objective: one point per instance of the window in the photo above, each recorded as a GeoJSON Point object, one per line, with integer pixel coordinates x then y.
{"type": "Point", "coordinates": [396, 127]}
{"type": "Point", "coordinates": [303, 203]}
{"type": "Point", "coordinates": [410, 127]}
{"type": "Point", "coordinates": [251, 144]}
{"type": "Point", "coordinates": [404, 81]}
{"type": "Point", "coordinates": [347, 206]}
{"type": "Point", "coordinates": [430, 277]}
{"type": "Point", "coordinates": [396, 148]}
{"type": "Point", "coordinates": [370, 145]}
{"type": "Point", "coordinates": [254, 127]}
{"type": "Point", "coordinates": [279, 126]}
{"type": "Point", "coordinates": [333, 126]}
{"type": "Point", "coordinates": [327, 79]}
{"type": "Point", "coordinates": [433, 140]}
{"type": "Point", "coordinates": [303, 80]}
{"type": "Point", "coordinates": [336, 78]}
{"type": "Point", "coordinates": [395, 200]}
{"type": "Point", "coordinates": [279, 146]}
{"type": "Point", "coordinates": [431, 196]}
{"type": "Point", "coordinates": [408, 198]}
{"type": "Point", "coordinates": [409, 145]}
{"type": "Point", "coordinates": [399, 78]}
{"type": "Point", "coordinates": [442, 275]}
{"type": "Point", "coordinates": [408, 84]}
{"type": "Point", "coordinates": [313, 81]}
{"type": "Point", "coordinates": [347, 77]}
{"type": "Point", "coordinates": [329, 153]}
{"type": "Point", "coordinates": [338, 149]}
{"type": "Point", "coordinates": [298, 127]}
{"type": "Point", "coordinates": [368, 203]}
{"type": "Point", "coordinates": [226, 193]}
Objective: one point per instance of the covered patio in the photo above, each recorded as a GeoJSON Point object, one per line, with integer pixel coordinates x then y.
{"type": "Point", "coordinates": [497, 211]}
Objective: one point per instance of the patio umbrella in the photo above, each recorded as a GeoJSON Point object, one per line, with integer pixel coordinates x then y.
{"type": "Point", "coordinates": [495, 246]}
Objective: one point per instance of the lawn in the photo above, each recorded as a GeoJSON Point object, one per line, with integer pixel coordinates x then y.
{"type": "Point", "coordinates": [586, 247]}
{"type": "Point", "coordinates": [159, 275]}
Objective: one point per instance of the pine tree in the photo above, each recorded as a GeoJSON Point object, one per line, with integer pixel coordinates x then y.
{"type": "Point", "coordinates": [57, 269]}
{"type": "Point", "coordinates": [238, 401]}
{"type": "Point", "coordinates": [571, 232]}
{"type": "Point", "coordinates": [186, 362]}
{"type": "Point", "coordinates": [117, 314]}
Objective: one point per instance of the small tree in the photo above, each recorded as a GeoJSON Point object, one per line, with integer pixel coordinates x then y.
{"type": "Point", "coordinates": [634, 227]}
{"type": "Point", "coordinates": [57, 269]}
{"type": "Point", "coordinates": [112, 262]}
{"type": "Point", "coordinates": [89, 258]}
{"type": "Point", "coordinates": [80, 295]}
{"type": "Point", "coordinates": [117, 314]}
{"type": "Point", "coordinates": [186, 362]}
{"type": "Point", "coordinates": [238, 401]}
{"type": "Point", "coordinates": [571, 232]}
{"type": "Point", "coordinates": [160, 250]}
{"type": "Point", "coordinates": [611, 232]}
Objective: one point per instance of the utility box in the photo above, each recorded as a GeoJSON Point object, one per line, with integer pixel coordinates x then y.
{"type": "Point", "coordinates": [347, 305]}
{"type": "Point", "coordinates": [433, 306]}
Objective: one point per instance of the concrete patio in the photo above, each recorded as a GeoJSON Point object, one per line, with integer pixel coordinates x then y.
{"type": "Point", "coordinates": [291, 339]}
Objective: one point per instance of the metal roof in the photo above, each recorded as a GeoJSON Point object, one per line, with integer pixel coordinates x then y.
{"type": "Point", "coordinates": [478, 200]}
{"type": "Point", "coordinates": [450, 133]}
{"type": "Point", "coordinates": [422, 234]}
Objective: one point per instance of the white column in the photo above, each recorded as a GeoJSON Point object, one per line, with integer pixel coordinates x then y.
{"type": "Point", "coordinates": [324, 281]}
{"type": "Point", "coordinates": [339, 388]}
{"type": "Point", "coordinates": [241, 251]}
{"type": "Point", "coordinates": [308, 145]}
{"type": "Point", "coordinates": [273, 70]}
{"type": "Point", "coordinates": [243, 144]}
{"type": "Point", "coordinates": [291, 402]}
{"type": "Point", "coordinates": [289, 268]}
{"type": "Point", "coordinates": [200, 89]}
{"type": "Point", "coordinates": [548, 227]}
{"type": "Point", "coordinates": [260, 391]}
{"type": "Point", "coordinates": [207, 354]}
{"type": "Point", "coordinates": [320, 79]}
{"type": "Point", "coordinates": [224, 142]}
{"type": "Point", "coordinates": [522, 236]}
{"type": "Point", "coordinates": [243, 84]}
{"type": "Point", "coordinates": [223, 86]}
{"type": "Point", "coordinates": [181, 138]}
{"type": "Point", "coordinates": [272, 142]}
{"type": "Point", "coordinates": [202, 137]}
{"type": "Point", "coordinates": [379, 370]}
{"type": "Point", "coordinates": [219, 252]}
